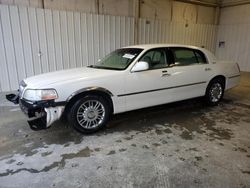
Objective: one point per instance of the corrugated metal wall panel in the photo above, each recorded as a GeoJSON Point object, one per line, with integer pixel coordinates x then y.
{"type": "Point", "coordinates": [34, 41]}
{"type": "Point", "coordinates": [155, 31]}
{"type": "Point", "coordinates": [78, 38]}
{"type": "Point", "coordinates": [4, 71]}
{"type": "Point", "coordinates": [50, 40]}
{"type": "Point", "coordinates": [57, 40]}
{"type": "Point", "coordinates": [26, 41]}
{"type": "Point", "coordinates": [237, 47]}
{"type": "Point", "coordinates": [9, 49]}
{"type": "Point", "coordinates": [17, 42]}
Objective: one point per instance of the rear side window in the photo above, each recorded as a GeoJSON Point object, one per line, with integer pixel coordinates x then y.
{"type": "Point", "coordinates": [200, 56]}
{"type": "Point", "coordinates": [186, 56]}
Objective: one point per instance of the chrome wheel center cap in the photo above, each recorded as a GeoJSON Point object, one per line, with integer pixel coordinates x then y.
{"type": "Point", "coordinates": [216, 92]}
{"type": "Point", "coordinates": [91, 114]}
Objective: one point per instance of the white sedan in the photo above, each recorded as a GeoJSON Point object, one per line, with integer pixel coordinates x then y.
{"type": "Point", "coordinates": [127, 79]}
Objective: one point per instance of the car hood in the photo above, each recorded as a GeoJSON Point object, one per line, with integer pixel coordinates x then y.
{"type": "Point", "coordinates": [47, 79]}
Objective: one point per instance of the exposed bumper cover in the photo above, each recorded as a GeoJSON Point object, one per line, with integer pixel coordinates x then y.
{"type": "Point", "coordinates": [13, 98]}
{"type": "Point", "coordinates": [38, 123]}
{"type": "Point", "coordinates": [41, 114]}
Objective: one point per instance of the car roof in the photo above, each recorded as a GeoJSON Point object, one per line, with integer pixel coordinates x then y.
{"type": "Point", "coordinates": [149, 46]}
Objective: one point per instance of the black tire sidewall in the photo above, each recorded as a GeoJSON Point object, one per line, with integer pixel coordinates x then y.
{"type": "Point", "coordinates": [208, 97]}
{"type": "Point", "coordinates": [78, 103]}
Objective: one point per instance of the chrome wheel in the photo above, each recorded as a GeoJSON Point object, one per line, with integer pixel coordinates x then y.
{"type": "Point", "coordinates": [90, 114]}
{"type": "Point", "coordinates": [216, 92]}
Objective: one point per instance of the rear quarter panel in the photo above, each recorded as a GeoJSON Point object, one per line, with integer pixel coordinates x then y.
{"type": "Point", "coordinates": [228, 69]}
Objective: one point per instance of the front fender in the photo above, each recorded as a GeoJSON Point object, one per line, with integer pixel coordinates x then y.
{"type": "Point", "coordinates": [94, 88]}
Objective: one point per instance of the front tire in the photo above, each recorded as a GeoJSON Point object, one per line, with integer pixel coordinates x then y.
{"type": "Point", "coordinates": [90, 113]}
{"type": "Point", "coordinates": [215, 91]}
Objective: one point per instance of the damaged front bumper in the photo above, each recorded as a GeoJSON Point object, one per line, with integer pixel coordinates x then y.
{"type": "Point", "coordinates": [41, 114]}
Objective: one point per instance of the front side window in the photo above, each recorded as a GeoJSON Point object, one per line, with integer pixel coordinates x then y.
{"type": "Point", "coordinates": [155, 58]}
{"type": "Point", "coordinates": [119, 59]}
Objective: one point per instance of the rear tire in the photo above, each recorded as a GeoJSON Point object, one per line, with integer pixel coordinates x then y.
{"type": "Point", "coordinates": [90, 113]}
{"type": "Point", "coordinates": [215, 91]}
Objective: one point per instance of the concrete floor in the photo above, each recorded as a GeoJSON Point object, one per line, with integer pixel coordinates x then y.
{"type": "Point", "coordinates": [184, 144]}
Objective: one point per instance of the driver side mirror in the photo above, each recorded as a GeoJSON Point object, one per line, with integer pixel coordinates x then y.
{"type": "Point", "coordinates": [140, 66]}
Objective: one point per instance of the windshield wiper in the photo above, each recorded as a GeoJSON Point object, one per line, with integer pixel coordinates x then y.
{"type": "Point", "coordinates": [101, 67]}
{"type": "Point", "coordinates": [95, 66]}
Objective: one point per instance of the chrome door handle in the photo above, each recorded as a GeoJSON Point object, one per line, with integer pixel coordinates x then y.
{"type": "Point", "coordinates": [208, 69]}
{"type": "Point", "coordinates": [166, 74]}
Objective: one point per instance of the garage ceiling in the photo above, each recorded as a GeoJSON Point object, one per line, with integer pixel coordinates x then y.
{"type": "Point", "coordinates": [222, 3]}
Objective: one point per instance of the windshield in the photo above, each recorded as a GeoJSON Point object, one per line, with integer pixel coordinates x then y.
{"type": "Point", "coordinates": [119, 59]}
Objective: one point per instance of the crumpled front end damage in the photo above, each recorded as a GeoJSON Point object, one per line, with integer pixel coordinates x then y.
{"type": "Point", "coordinates": [41, 114]}
{"type": "Point", "coordinates": [46, 117]}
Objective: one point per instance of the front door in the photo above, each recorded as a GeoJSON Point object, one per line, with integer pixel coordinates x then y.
{"type": "Point", "coordinates": [147, 88]}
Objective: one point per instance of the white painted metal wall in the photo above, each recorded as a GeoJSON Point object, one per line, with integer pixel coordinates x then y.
{"type": "Point", "coordinates": [237, 44]}
{"type": "Point", "coordinates": [34, 40]}
{"type": "Point", "coordinates": [234, 30]}
{"type": "Point", "coordinates": [156, 31]}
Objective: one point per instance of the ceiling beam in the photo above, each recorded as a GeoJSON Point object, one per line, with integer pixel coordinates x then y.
{"type": "Point", "coordinates": [198, 2]}
{"type": "Point", "coordinates": [234, 3]}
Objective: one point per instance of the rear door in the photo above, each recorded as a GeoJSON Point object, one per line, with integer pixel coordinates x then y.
{"type": "Point", "coordinates": [189, 72]}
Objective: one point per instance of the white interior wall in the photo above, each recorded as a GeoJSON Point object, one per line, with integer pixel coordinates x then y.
{"type": "Point", "coordinates": [169, 10]}
{"type": "Point", "coordinates": [61, 37]}
{"type": "Point", "coordinates": [30, 3]}
{"type": "Point", "coordinates": [234, 29]}
{"type": "Point", "coordinates": [34, 40]}
{"type": "Point", "coordinates": [160, 9]}
{"type": "Point", "coordinates": [159, 31]}
{"type": "Point", "coordinates": [88, 6]}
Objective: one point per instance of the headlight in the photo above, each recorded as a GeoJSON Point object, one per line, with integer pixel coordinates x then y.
{"type": "Point", "coordinates": [40, 94]}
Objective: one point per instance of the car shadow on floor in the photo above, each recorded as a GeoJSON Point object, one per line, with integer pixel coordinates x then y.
{"type": "Point", "coordinates": [185, 116]}
{"type": "Point", "coordinates": [154, 115]}
{"type": "Point", "coordinates": [143, 118]}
